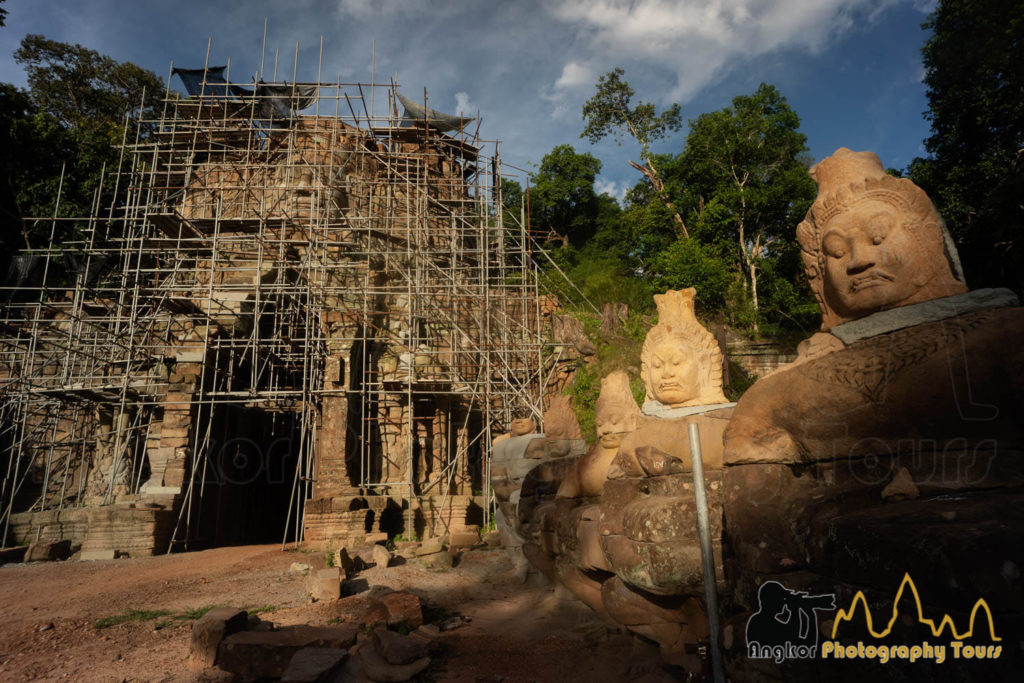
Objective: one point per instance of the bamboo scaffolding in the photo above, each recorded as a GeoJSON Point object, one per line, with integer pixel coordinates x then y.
{"type": "Point", "coordinates": [266, 251]}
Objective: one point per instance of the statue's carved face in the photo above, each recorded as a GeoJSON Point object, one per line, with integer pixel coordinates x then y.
{"type": "Point", "coordinates": [872, 261]}
{"type": "Point", "coordinates": [673, 373]}
{"type": "Point", "coordinates": [521, 426]}
{"type": "Point", "coordinates": [613, 426]}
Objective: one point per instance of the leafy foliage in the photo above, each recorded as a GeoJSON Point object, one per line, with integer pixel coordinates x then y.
{"type": "Point", "coordinates": [562, 201]}
{"type": "Point", "coordinates": [81, 88]}
{"type": "Point", "coordinates": [69, 122]}
{"type": "Point", "coordinates": [610, 112]}
{"type": "Point", "coordinates": [620, 351]}
{"type": "Point", "coordinates": [974, 63]}
{"type": "Point", "coordinates": [745, 181]}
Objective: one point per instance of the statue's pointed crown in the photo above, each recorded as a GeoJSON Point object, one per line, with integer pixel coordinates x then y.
{"type": "Point", "coordinates": [844, 168]}
{"type": "Point", "coordinates": [676, 309]}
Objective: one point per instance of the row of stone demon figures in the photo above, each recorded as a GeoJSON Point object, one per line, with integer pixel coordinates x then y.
{"type": "Point", "coordinates": [891, 446]}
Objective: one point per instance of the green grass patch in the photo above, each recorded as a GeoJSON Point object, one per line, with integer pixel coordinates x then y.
{"type": "Point", "coordinates": [168, 618]}
{"type": "Point", "coordinates": [260, 609]}
{"type": "Point", "coordinates": [130, 615]}
{"type": "Point", "coordinates": [193, 613]}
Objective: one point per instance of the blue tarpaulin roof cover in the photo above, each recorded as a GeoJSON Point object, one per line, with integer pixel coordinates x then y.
{"type": "Point", "coordinates": [274, 100]}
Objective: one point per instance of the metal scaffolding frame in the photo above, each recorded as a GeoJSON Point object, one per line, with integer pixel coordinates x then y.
{"type": "Point", "coordinates": [251, 268]}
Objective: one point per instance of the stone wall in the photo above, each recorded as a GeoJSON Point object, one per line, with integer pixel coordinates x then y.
{"type": "Point", "coordinates": [759, 358]}
{"type": "Point", "coordinates": [338, 520]}
{"type": "Point", "coordinates": [117, 530]}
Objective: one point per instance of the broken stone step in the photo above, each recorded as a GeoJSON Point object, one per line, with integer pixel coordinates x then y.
{"type": "Point", "coordinates": [377, 668]}
{"type": "Point", "coordinates": [312, 664]}
{"type": "Point", "coordinates": [210, 629]}
{"type": "Point", "coordinates": [398, 649]}
{"type": "Point", "coordinates": [266, 654]}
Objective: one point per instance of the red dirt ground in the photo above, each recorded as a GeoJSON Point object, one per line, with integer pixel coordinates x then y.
{"type": "Point", "coordinates": [517, 633]}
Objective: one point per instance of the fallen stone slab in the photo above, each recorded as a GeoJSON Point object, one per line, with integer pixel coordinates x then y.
{"type": "Point", "coordinates": [381, 556]}
{"type": "Point", "coordinates": [209, 630]}
{"type": "Point", "coordinates": [325, 584]}
{"type": "Point", "coordinates": [397, 648]}
{"type": "Point", "coordinates": [363, 608]}
{"type": "Point", "coordinates": [443, 560]}
{"type": "Point", "coordinates": [403, 608]}
{"type": "Point", "coordinates": [351, 671]}
{"type": "Point", "coordinates": [312, 664]}
{"type": "Point", "coordinates": [266, 654]}
{"type": "Point", "coordinates": [377, 668]}
{"type": "Point", "coordinates": [429, 635]}
{"type": "Point", "coordinates": [299, 568]}
{"type": "Point", "coordinates": [406, 548]}
{"type": "Point", "coordinates": [48, 551]}
{"type": "Point", "coordinates": [452, 623]}
{"type": "Point", "coordinates": [349, 561]}
{"type": "Point", "coordinates": [430, 546]}
{"type": "Point", "coordinates": [94, 555]}
{"type": "Point", "coordinates": [427, 631]}
{"type": "Point", "coordinates": [464, 539]}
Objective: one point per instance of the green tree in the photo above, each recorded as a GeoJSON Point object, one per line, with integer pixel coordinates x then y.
{"type": "Point", "coordinates": [744, 178]}
{"type": "Point", "coordinates": [512, 201]}
{"type": "Point", "coordinates": [563, 203]}
{"type": "Point", "coordinates": [610, 112]}
{"type": "Point", "coordinates": [68, 123]}
{"type": "Point", "coordinates": [974, 62]}
{"type": "Point", "coordinates": [83, 89]}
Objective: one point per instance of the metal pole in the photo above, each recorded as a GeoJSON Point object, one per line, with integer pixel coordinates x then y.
{"type": "Point", "coordinates": [706, 551]}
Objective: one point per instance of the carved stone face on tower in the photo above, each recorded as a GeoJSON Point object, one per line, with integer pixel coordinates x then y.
{"type": "Point", "coordinates": [872, 242]}
{"type": "Point", "coordinates": [682, 364]}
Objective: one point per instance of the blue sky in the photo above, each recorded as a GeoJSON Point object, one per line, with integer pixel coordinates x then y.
{"type": "Point", "coordinates": [850, 68]}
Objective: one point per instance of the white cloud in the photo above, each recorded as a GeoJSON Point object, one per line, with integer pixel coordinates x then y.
{"type": "Point", "coordinates": [700, 39]}
{"type": "Point", "coordinates": [611, 188]}
{"type": "Point", "coordinates": [367, 8]}
{"type": "Point", "coordinates": [575, 75]}
{"type": "Point", "coordinates": [560, 110]}
{"type": "Point", "coordinates": [464, 105]}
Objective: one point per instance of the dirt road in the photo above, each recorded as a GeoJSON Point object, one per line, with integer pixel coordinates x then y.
{"type": "Point", "coordinates": [48, 615]}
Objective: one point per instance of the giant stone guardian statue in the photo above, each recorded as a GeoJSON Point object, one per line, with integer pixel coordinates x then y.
{"type": "Point", "coordinates": [892, 445]}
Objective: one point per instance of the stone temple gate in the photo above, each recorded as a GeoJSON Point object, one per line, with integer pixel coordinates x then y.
{"type": "Point", "coordinates": [292, 317]}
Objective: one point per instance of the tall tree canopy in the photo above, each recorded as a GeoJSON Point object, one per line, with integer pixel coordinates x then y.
{"type": "Point", "coordinates": [720, 215]}
{"type": "Point", "coordinates": [71, 117]}
{"type": "Point", "coordinates": [974, 62]}
{"type": "Point", "coordinates": [611, 112]}
{"type": "Point", "coordinates": [744, 180]}
{"type": "Point", "coordinates": [563, 203]}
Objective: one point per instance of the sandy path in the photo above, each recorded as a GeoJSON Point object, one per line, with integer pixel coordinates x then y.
{"type": "Point", "coordinates": [517, 633]}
